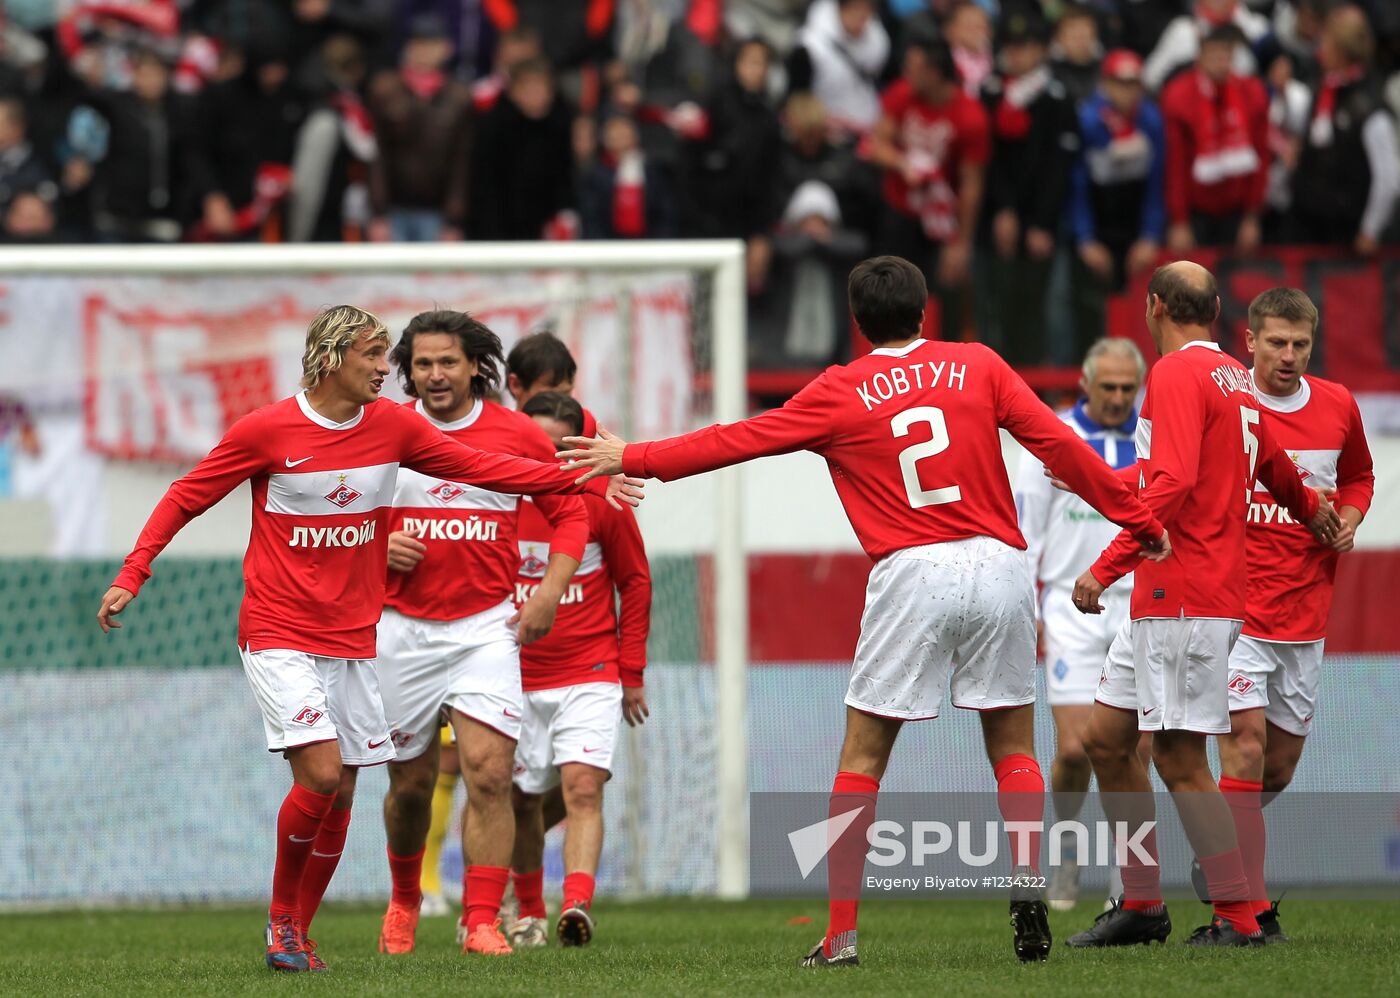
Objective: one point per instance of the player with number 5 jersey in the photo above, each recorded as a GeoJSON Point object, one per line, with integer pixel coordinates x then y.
{"type": "Point", "coordinates": [911, 434]}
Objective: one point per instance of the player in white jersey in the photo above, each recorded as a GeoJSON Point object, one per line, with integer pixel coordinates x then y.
{"type": "Point", "coordinates": [1063, 533]}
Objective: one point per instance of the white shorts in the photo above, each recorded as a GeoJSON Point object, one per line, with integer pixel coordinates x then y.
{"type": "Point", "coordinates": [1281, 677]}
{"type": "Point", "coordinates": [307, 698]}
{"type": "Point", "coordinates": [1076, 644]}
{"type": "Point", "coordinates": [965, 608]}
{"type": "Point", "coordinates": [568, 724]}
{"type": "Point", "coordinates": [1177, 674]}
{"type": "Point", "coordinates": [425, 666]}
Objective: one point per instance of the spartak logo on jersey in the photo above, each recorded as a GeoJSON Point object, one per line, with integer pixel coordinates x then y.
{"type": "Point", "coordinates": [532, 566]}
{"type": "Point", "coordinates": [307, 716]}
{"type": "Point", "coordinates": [1241, 685]}
{"type": "Point", "coordinates": [1303, 473]}
{"type": "Point", "coordinates": [446, 491]}
{"type": "Point", "coordinates": [342, 495]}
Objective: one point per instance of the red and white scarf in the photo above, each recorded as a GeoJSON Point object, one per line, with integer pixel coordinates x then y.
{"type": "Point", "coordinates": [629, 207]}
{"type": "Point", "coordinates": [1223, 148]}
{"type": "Point", "coordinates": [1012, 119]}
{"type": "Point", "coordinates": [1320, 131]}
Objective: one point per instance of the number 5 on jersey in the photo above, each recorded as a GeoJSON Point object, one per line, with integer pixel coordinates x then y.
{"type": "Point", "coordinates": [1249, 418]}
{"type": "Point", "coordinates": [910, 457]}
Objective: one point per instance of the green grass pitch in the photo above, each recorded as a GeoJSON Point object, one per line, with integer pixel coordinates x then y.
{"type": "Point", "coordinates": [696, 947]}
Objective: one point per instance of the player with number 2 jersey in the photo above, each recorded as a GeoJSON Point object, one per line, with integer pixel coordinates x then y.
{"type": "Point", "coordinates": [911, 434]}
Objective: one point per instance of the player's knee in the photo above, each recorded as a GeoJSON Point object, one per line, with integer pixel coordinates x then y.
{"type": "Point", "coordinates": [1071, 754]}
{"type": "Point", "coordinates": [323, 775]}
{"type": "Point", "coordinates": [411, 786]}
{"type": "Point", "coordinates": [524, 805]}
{"type": "Point", "coordinates": [489, 776]}
{"type": "Point", "coordinates": [1102, 749]}
{"type": "Point", "coordinates": [1278, 775]}
{"type": "Point", "coordinates": [1247, 751]}
{"type": "Point", "coordinates": [584, 792]}
{"type": "Point", "coordinates": [1171, 766]}
{"type": "Point", "coordinates": [345, 786]}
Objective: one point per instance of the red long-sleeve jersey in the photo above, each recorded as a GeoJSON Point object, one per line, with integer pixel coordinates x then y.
{"type": "Point", "coordinates": [911, 438]}
{"type": "Point", "coordinates": [470, 532]}
{"type": "Point", "coordinates": [1288, 593]}
{"type": "Point", "coordinates": [1200, 444]}
{"type": "Point", "coordinates": [600, 632]}
{"type": "Point", "coordinates": [314, 573]}
{"type": "Point", "coordinates": [1217, 145]}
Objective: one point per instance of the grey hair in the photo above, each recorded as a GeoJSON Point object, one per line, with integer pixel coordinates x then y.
{"type": "Point", "coordinates": [1120, 345]}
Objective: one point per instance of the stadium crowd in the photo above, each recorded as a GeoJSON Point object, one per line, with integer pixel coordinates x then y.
{"type": "Point", "coordinates": [1031, 155]}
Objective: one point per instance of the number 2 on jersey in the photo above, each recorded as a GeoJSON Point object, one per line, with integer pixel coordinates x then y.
{"type": "Point", "coordinates": [910, 457]}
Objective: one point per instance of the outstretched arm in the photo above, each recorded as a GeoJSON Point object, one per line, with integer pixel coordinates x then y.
{"type": "Point", "coordinates": [432, 452]}
{"type": "Point", "coordinates": [1032, 423]}
{"type": "Point", "coordinates": [802, 424]}
{"type": "Point", "coordinates": [235, 459]}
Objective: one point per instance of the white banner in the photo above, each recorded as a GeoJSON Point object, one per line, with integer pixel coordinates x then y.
{"type": "Point", "coordinates": [155, 369]}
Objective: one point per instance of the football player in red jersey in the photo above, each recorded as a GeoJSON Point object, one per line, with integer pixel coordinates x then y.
{"type": "Point", "coordinates": [911, 434]}
{"type": "Point", "coordinates": [450, 636]}
{"type": "Point", "coordinates": [1277, 663]}
{"type": "Point", "coordinates": [322, 466]}
{"type": "Point", "coordinates": [1200, 444]}
{"type": "Point", "coordinates": [580, 681]}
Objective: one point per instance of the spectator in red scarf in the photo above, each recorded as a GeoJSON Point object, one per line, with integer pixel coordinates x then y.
{"type": "Point", "coordinates": [623, 194]}
{"type": "Point", "coordinates": [1034, 140]}
{"type": "Point", "coordinates": [933, 142]}
{"type": "Point", "coordinates": [968, 30]}
{"type": "Point", "coordinates": [1217, 150]}
{"type": "Point", "coordinates": [1349, 170]}
{"type": "Point", "coordinates": [512, 47]}
{"type": "Point", "coordinates": [422, 123]}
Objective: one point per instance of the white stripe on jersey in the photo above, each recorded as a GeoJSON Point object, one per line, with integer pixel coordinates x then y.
{"type": "Point", "coordinates": [418, 491]}
{"type": "Point", "coordinates": [534, 558]}
{"type": "Point", "coordinates": [328, 493]}
{"type": "Point", "coordinates": [1144, 439]}
{"type": "Point", "coordinates": [1320, 465]}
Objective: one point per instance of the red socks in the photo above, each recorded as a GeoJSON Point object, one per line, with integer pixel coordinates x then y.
{"type": "Point", "coordinates": [1247, 809]}
{"type": "Point", "coordinates": [485, 887]}
{"type": "Point", "coordinates": [845, 860]}
{"type": "Point", "coordinates": [298, 823]}
{"type": "Point", "coordinates": [406, 872]}
{"type": "Point", "coordinates": [320, 867]}
{"type": "Point", "coordinates": [1021, 798]}
{"type": "Point", "coordinates": [529, 891]}
{"type": "Point", "coordinates": [1226, 880]}
{"type": "Point", "coordinates": [578, 887]}
{"type": "Point", "coordinates": [1142, 884]}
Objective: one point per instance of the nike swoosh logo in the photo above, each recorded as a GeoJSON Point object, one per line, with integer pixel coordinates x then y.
{"type": "Point", "coordinates": [590, 750]}
{"type": "Point", "coordinates": [1147, 710]}
{"type": "Point", "coordinates": [509, 714]}
{"type": "Point", "coordinates": [377, 744]}
{"type": "Point", "coordinates": [309, 838]}
{"type": "Point", "coordinates": [293, 464]}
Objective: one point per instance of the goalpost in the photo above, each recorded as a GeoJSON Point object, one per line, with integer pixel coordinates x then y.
{"type": "Point", "coordinates": [611, 289]}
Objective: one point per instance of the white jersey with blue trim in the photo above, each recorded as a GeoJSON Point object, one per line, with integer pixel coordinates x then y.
{"type": "Point", "coordinates": [1064, 534]}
